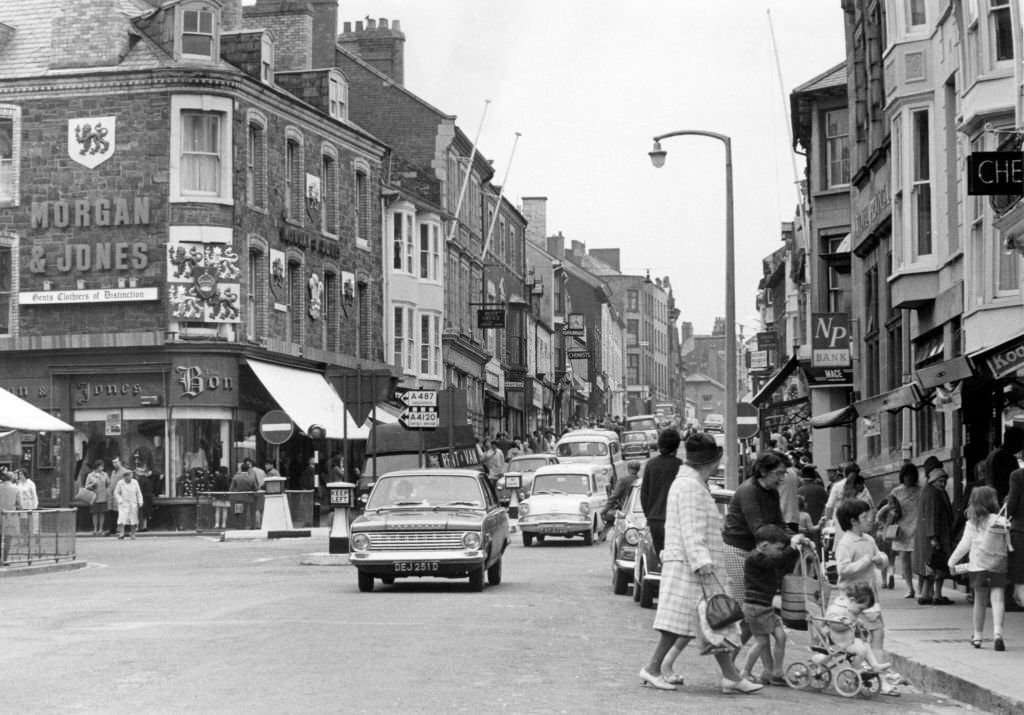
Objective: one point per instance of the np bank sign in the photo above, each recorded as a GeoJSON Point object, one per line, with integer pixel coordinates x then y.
{"type": "Point", "coordinates": [830, 340]}
{"type": "Point", "coordinates": [995, 173]}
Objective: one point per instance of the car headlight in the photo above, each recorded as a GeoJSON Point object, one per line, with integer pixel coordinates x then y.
{"type": "Point", "coordinates": [360, 542]}
{"type": "Point", "coordinates": [471, 539]}
{"type": "Point", "coordinates": [524, 509]}
{"type": "Point", "coordinates": [632, 536]}
{"type": "Point", "coordinates": [584, 507]}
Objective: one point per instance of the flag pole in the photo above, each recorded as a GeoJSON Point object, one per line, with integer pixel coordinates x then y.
{"type": "Point", "coordinates": [469, 173]}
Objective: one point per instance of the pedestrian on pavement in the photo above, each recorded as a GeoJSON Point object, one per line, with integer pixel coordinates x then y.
{"type": "Point", "coordinates": [986, 571]}
{"type": "Point", "coordinates": [1002, 461]}
{"type": "Point", "coordinates": [789, 489]}
{"type": "Point", "coordinates": [1015, 512]}
{"type": "Point", "coordinates": [117, 472]}
{"type": "Point", "coordinates": [28, 501]}
{"type": "Point", "coordinates": [774, 555]}
{"type": "Point", "coordinates": [221, 501]}
{"type": "Point", "coordinates": [754, 504]}
{"type": "Point", "coordinates": [98, 483]}
{"type": "Point", "coordinates": [933, 538]}
{"type": "Point", "coordinates": [494, 461]}
{"type": "Point", "coordinates": [693, 561]}
{"type": "Point", "coordinates": [128, 496]}
{"type": "Point", "coordinates": [851, 486]}
{"type": "Point", "coordinates": [814, 493]}
{"type": "Point", "coordinates": [902, 504]}
{"type": "Point", "coordinates": [8, 517]}
{"type": "Point", "coordinates": [144, 476]}
{"type": "Point", "coordinates": [245, 481]}
{"type": "Point", "coordinates": [659, 473]}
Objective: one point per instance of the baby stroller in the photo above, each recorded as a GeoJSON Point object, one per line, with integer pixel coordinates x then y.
{"type": "Point", "coordinates": [829, 663]}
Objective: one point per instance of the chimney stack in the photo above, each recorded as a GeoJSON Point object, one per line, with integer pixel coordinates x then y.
{"type": "Point", "coordinates": [291, 21]}
{"type": "Point", "coordinates": [535, 211]}
{"type": "Point", "coordinates": [325, 32]}
{"type": "Point", "coordinates": [377, 44]}
{"type": "Point", "coordinates": [231, 15]}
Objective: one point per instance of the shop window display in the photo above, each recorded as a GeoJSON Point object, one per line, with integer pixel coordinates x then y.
{"type": "Point", "coordinates": [197, 448]}
{"type": "Point", "coordinates": [139, 444]}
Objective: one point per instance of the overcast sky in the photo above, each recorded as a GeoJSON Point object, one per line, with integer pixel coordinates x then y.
{"type": "Point", "coordinates": [588, 83]}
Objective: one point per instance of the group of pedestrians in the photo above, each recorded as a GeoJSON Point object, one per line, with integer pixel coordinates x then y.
{"type": "Point", "coordinates": [18, 502]}
{"type": "Point", "coordinates": [119, 497]}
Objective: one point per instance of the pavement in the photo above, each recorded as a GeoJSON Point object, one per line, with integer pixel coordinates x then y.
{"type": "Point", "coordinates": [929, 645]}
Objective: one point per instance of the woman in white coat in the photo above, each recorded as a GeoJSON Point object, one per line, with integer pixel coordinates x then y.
{"type": "Point", "coordinates": [693, 561]}
{"type": "Point", "coordinates": [128, 496]}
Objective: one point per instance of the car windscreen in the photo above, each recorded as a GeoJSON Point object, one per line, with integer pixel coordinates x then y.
{"type": "Point", "coordinates": [561, 483]}
{"type": "Point", "coordinates": [634, 436]}
{"type": "Point", "coordinates": [583, 449]}
{"type": "Point", "coordinates": [645, 423]}
{"type": "Point", "coordinates": [425, 490]}
{"type": "Point", "coordinates": [526, 464]}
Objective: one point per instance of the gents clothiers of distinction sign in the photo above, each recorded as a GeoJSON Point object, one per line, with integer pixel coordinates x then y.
{"type": "Point", "coordinates": [100, 295]}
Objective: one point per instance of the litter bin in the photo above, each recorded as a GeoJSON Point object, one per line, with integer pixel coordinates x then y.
{"type": "Point", "coordinates": [342, 496]}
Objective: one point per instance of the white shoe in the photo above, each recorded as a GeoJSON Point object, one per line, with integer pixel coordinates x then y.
{"type": "Point", "coordinates": [655, 681]}
{"type": "Point", "coordinates": [742, 685]}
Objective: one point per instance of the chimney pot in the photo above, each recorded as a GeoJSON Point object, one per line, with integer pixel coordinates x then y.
{"type": "Point", "coordinates": [347, 27]}
{"type": "Point", "coordinates": [383, 22]}
{"type": "Point", "coordinates": [371, 24]}
{"type": "Point", "coordinates": [359, 25]}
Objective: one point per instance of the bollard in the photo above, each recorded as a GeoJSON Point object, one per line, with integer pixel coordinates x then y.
{"type": "Point", "coordinates": [276, 515]}
{"type": "Point", "coordinates": [343, 499]}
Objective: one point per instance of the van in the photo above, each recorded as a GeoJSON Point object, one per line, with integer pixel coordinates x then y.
{"type": "Point", "coordinates": [642, 422]}
{"type": "Point", "coordinates": [714, 422]}
{"type": "Point", "coordinates": [593, 446]}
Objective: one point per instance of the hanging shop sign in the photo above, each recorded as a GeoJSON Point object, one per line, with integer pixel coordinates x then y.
{"type": "Point", "coordinates": [830, 340]}
{"type": "Point", "coordinates": [995, 173]}
{"type": "Point", "coordinates": [490, 318]}
{"type": "Point", "coordinates": [92, 140]}
{"type": "Point", "coordinates": [85, 213]}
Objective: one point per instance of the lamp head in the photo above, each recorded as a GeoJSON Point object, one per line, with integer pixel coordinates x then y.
{"type": "Point", "coordinates": [657, 155]}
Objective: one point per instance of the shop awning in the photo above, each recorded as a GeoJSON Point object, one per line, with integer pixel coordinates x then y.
{"type": "Point", "coordinates": [835, 418]}
{"type": "Point", "coordinates": [308, 399]}
{"type": "Point", "coordinates": [16, 414]}
{"type": "Point", "coordinates": [774, 382]}
{"type": "Point", "coordinates": [384, 414]}
{"type": "Point", "coordinates": [949, 371]}
{"type": "Point", "coordinates": [892, 401]}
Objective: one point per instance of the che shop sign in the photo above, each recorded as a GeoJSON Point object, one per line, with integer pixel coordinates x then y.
{"type": "Point", "coordinates": [995, 173]}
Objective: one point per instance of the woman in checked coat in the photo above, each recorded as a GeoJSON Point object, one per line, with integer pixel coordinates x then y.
{"type": "Point", "coordinates": [693, 560]}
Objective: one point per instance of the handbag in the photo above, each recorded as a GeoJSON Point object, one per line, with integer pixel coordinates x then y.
{"type": "Point", "coordinates": [86, 496]}
{"type": "Point", "coordinates": [937, 560]}
{"type": "Point", "coordinates": [721, 609]}
{"type": "Point", "coordinates": [803, 583]}
{"type": "Point", "coordinates": [992, 550]}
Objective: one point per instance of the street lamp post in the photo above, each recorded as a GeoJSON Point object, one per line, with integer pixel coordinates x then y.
{"type": "Point", "coordinates": [657, 155]}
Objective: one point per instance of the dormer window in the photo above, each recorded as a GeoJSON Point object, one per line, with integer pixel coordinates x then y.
{"type": "Point", "coordinates": [198, 31]}
{"type": "Point", "coordinates": [266, 60]}
{"type": "Point", "coordinates": [338, 96]}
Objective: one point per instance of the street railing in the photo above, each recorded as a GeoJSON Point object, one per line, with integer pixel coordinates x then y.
{"type": "Point", "coordinates": [31, 535]}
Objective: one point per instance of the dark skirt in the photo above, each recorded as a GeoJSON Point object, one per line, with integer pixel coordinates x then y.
{"type": "Point", "coordinates": [1016, 557]}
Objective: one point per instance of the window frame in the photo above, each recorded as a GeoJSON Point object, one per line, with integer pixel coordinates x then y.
{"type": "Point", "coordinates": [214, 35]}
{"type": "Point", "coordinates": [330, 208]}
{"type": "Point", "coordinates": [9, 243]}
{"type": "Point", "coordinates": [267, 59]}
{"type": "Point", "coordinates": [832, 141]}
{"type": "Point", "coordinates": [361, 215]}
{"type": "Point", "coordinates": [256, 160]}
{"type": "Point", "coordinates": [12, 113]}
{"type": "Point", "coordinates": [294, 176]}
{"type": "Point", "coordinates": [993, 15]}
{"type": "Point", "coordinates": [337, 95]}
{"type": "Point", "coordinates": [202, 103]}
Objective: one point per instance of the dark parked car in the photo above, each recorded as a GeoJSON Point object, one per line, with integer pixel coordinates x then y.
{"type": "Point", "coordinates": [639, 444]}
{"type": "Point", "coordinates": [647, 571]}
{"type": "Point", "coordinates": [630, 523]}
{"type": "Point", "coordinates": [443, 523]}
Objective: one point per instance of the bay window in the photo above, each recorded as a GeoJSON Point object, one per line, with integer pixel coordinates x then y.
{"type": "Point", "coordinates": [10, 131]}
{"type": "Point", "coordinates": [201, 152]}
{"type": "Point", "coordinates": [921, 190]}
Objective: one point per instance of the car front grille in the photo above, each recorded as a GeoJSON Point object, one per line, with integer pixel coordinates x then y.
{"type": "Point", "coordinates": [555, 517]}
{"type": "Point", "coordinates": [415, 541]}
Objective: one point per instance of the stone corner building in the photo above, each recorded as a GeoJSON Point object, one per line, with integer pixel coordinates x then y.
{"type": "Point", "coordinates": [189, 235]}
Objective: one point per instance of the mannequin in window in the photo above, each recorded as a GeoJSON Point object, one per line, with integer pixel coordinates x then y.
{"type": "Point", "coordinates": [196, 459]}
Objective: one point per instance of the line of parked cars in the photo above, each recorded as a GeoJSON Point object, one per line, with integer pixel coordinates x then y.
{"type": "Point", "coordinates": [634, 560]}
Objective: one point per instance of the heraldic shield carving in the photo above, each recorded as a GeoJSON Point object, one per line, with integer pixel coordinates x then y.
{"type": "Point", "coordinates": [92, 140]}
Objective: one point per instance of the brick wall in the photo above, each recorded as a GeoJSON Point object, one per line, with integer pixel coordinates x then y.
{"type": "Point", "coordinates": [291, 21]}
{"type": "Point", "coordinates": [88, 33]}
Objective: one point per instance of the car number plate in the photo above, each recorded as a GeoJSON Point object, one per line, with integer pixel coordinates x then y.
{"type": "Point", "coordinates": [550, 529]}
{"type": "Point", "coordinates": [416, 566]}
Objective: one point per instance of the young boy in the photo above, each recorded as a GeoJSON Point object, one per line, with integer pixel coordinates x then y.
{"type": "Point", "coordinates": [774, 554]}
{"type": "Point", "coordinates": [844, 613]}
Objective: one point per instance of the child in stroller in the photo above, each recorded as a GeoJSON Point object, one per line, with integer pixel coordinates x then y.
{"type": "Point", "coordinates": [840, 647]}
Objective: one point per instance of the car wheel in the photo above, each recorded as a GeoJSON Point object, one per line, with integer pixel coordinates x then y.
{"type": "Point", "coordinates": [527, 539]}
{"type": "Point", "coordinates": [620, 581]}
{"type": "Point", "coordinates": [387, 580]}
{"type": "Point", "coordinates": [365, 582]}
{"type": "Point", "coordinates": [540, 538]}
{"type": "Point", "coordinates": [494, 573]}
{"type": "Point", "coordinates": [588, 537]}
{"type": "Point", "coordinates": [638, 578]}
{"type": "Point", "coordinates": [476, 579]}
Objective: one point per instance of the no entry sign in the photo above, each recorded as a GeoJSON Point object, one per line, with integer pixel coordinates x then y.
{"type": "Point", "coordinates": [275, 427]}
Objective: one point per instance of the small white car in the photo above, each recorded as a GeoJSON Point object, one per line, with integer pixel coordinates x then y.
{"type": "Point", "coordinates": [593, 446]}
{"type": "Point", "coordinates": [565, 500]}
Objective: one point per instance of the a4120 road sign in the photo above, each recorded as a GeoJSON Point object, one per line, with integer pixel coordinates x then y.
{"type": "Point", "coordinates": [419, 418]}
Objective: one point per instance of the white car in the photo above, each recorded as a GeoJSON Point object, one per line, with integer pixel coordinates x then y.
{"type": "Point", "coordinates": [565, 500]}
{"type": "Point", "coordinates": [593, 446]}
